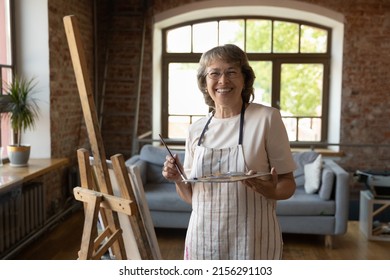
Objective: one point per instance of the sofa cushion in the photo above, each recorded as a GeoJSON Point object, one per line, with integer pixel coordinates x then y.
{"type": "Point", "coordinates": [302, 158]}
{"type": "Point", "coordinates": [150, 162]}
{"type": "Point", "coordinates": [163, 197]}
{"type": "Point", "coordinates": [327, 183]}
{"type": "Point", "coordinates": [156, 155]}
{"type": "Point", "coordinates": [313, 175]}
{"type": "Point", "coordinates": [304, 204]}
{"type": "Point", "coordinates": [154, 174]}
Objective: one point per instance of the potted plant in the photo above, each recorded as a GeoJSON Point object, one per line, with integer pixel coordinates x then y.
{"type": "Point", "coordinates": [23, 111]}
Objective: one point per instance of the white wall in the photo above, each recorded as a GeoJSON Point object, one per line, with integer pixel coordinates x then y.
{"type": "Point", "coordinates": [32, 42]}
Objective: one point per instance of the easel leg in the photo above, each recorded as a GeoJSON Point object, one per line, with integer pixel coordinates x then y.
{"type": "Point", "coordinates": [90, 231]}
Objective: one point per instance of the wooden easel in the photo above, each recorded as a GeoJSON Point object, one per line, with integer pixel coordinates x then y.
{"type": "Point", "coordinates": [97, 194]}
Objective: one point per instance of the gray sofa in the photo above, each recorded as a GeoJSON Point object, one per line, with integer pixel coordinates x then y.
{"type": "Point", "coordinates": [324, 212]}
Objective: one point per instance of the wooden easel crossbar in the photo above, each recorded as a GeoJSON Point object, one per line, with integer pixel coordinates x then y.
{"type": "Point", "coordinates": [95, 248]}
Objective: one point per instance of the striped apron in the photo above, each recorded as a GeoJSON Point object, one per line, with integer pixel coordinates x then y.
{"type": "Point", "coordinates": [229, 220]}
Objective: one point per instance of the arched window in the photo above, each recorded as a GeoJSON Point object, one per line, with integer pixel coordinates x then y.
{"type": "Point", "coordinates": [290, 59]}
{"type": "Point", "coordinates": [297, 59]}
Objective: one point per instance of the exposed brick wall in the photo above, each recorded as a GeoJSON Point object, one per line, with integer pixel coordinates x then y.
{"type": "Point", "coordinates": [66, 114]}
{"type": "Point", "coordinates": [120, 35]}
{"type": "Point", "coordinates": [67, 129]}
{"type": "Point", "coordinates": [366, 84]}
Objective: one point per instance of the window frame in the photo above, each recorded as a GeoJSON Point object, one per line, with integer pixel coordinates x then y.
{"type": "Point", "coordinates": [12, 44]}
{"type": "Point", "coordinates": [11, 67]}
{"type": "Point", "coordinates": [277, 60]}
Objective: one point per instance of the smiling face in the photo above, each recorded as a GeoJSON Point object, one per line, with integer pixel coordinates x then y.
{"type": "Point", "coordinates": [222, 60]}
{"type": "Point", "coordinates": [224, 83]}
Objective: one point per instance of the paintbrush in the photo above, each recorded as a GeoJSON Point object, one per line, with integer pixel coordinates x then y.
{"type": "Point", "coordinates": [177, 166]}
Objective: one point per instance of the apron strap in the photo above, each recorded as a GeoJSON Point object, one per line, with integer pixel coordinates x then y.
{"type": "Point", "coordinates": [241, 126]}
{"type": "Point", "coordinates": [205, 128]}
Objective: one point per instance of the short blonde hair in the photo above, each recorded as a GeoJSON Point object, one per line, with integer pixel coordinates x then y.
{"type": "Point", "coordinates": [231, 54]}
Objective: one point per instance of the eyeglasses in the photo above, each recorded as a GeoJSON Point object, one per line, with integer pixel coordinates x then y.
{"type": "Point", "coordinates": [216, 75]}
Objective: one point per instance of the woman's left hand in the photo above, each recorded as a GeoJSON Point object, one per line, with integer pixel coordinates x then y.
{"type": "Point", "coordinates": [264, 185]}
{"type": "Point", "coordinates": [273, 187]}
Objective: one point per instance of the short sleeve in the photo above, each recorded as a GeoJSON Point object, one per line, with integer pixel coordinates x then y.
{"type": "Point", "coordinates": [278, 145]}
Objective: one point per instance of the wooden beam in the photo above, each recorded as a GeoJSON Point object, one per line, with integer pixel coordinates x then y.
{"type": "Point", "coordinates": [87, 102]}
{"type": "Point", "coordinates": [90, 116]}
{"type": "Point", "coordinates": [117, 204]}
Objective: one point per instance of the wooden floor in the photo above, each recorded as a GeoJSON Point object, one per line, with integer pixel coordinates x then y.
{"type": "Point", "coordinates": [63, 242]}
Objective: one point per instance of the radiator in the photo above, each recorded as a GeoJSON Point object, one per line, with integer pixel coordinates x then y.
{"type": "Point", "coordinates": [22, 211]}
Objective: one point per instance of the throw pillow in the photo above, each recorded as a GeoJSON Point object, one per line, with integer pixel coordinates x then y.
{"type": "Point", "coordinates": [302, 158]}
{"type": "Point", "coordinates": [327, 182]}
{"type": "Point", "coordinates": [313, 175]}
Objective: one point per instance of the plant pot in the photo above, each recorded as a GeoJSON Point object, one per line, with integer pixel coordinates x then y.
{"type": "Point", "coordinates": [18, 155]}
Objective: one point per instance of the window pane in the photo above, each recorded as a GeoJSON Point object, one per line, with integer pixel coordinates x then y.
{"type": "Point", "coordinates": [291, 127]}
{"type": "Point", "coordinates": [231, 32]}
{"type": "Point", "coordinates": [301, 97]}
{"type": "Point", "coordinates": [178, 125]}
{"type": "Point", "coordinates": [286, 37]}
{"type": "Point", "coordinates": [313, 40]}
{"type": "Point", "coordinates": [258, 36]}
{"type": "Point", "coordinates": [205, 36]}
{"type": "Point", "coordinates": [301, 89]}
{"type": "Point", "coordinates": [185, 99]}
{"type": "Point", "coordinates": [263, 81]}
{"type": "Point", "coordinates": [6, 75]}
{"type": "Point", "coordinates": [5, 131]}
{"type": "Point", "coordinates": [5, 33]}
{"type": "Point", "coordinates": [179, 40]}
{"type": "Point", "coordinates": [309, 129]}
{"type": "Point", "coordinates": [303, 129]}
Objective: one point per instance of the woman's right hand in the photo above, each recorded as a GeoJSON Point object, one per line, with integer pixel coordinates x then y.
{"type": "Point", "coordinates": [170, 171]}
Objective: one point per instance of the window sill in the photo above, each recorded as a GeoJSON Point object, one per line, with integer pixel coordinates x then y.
{"type": "Point", "coordinates": [11, 176]}
{"type": "Point", "coordinates": [324, 152]}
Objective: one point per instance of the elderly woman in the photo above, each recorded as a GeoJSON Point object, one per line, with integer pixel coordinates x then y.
{"type": "Point", "coordinates": [233, 220]}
